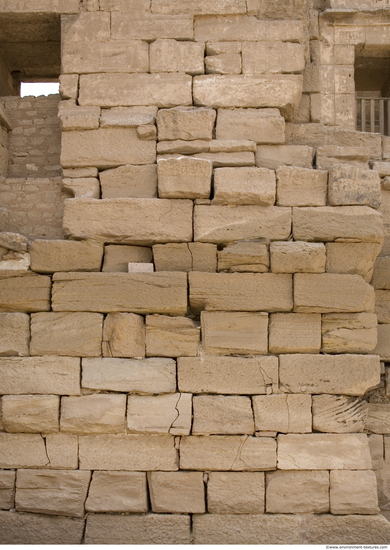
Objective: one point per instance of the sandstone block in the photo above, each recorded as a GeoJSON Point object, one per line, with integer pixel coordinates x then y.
{"type": "Point", "coordinates": [171, 56]}
{"type": "Point", "coordinates": [298, 492]}
{"type": "Point", "coordinates": [81, 188]}
{"type": "Point", "coordinates": [160, 414]}
{"type": "Point", "coordinates": [282, 413]}
{"type": "Point", "coordinates": [375, 442]}
{"type": "Point", "coordinates": [171, 336]}
{"type": "Point", "coordinates": [236, 453]}
{"type": "Point", "coordinates": [210, 374]}
{"type": "Point", "coordinates": [290, 9]}
{"type": "Point", "coordinates": [272, 57]}
{"type": "Point", "coordinates": [232, 333]}
{"type": "Point", "coordinates": [51, 256]}
{"type": "Point", "coordinates": [74, 173]}
{"type": "Point", "coordinates": [185, 257]}
{"type": "Point", "coordinates": [301, 186]}
{"type": "Point", "coordinates": [130, 375]}
{"type": "Point", "coordinates": [383, 168]}
{"type": "Point", "coordinates": [353, 492]}
{"type": "Point", "coordinates": [297, 257]}
{"type": "Point", "coordinates": [93, 414]}
{"type": "Point", "coordinates": [382, 305]}
{"type": "Point", "coordinates": [14, 334]}
{"type": "Point", "coordinates": [349, 185]}
{"type": "Point", "coordinates": [223, 64]}
{"type": "Point", "coordinates": [381, 275]}
{"type": "Point", "coordinates": [338, 414]}
{"type": "Point", "coordinates": [25, 294]}
{"type": "Point", "coordinates": [198, 7]}
{"type": "Point", "coordinates": [378, 418]}
{"type": "Point", "coordinates": [244, 186]}
{"type": "Point", "coordinates": [220, 48]}
{"type": "Point", "coordinates": [129, 117]}
{"type": "Point", "coordinates": [63, 451]}
{"type": "Point", "coordinates": [13, 241]}
{"type": "Point", "coordinates": [349, 332]}
{"type": "Point", "coordinates": [30, 413]}
{"type": "Point", "coordinates": [7, 489]}
{"type": "Point", "coordinates": [244, 256]}
{"type": "Point", "coordinates": [221, 414]}
{"type": "Point", "coordinates": [329, 155]}
{"type": "Point", "coordinates": [220, 159]}
{"type": "Point", "coordinates": [78, 118]}
{"type": "Point", "coordinates": [177, 492]}
{"type": "Point", "coordinates": [259, 125]}
{"type": "Point", "coordinates": [149, 27]}
{"type": "Point", "coordinates": [22, 451]}
{"type": "Point", "coordinates": [118, 492]}
{"type": "Point", "coordinates": [129, 181]}
{"type": "Point", "coordinates": [61, 493]}
{"type": "Point", "coordinates": [184, 178]}
{"type": "Point", "coordinates": [353, 258]}
{"type": "Point", "coordinates": [186, 123]}
{"type": "Point", "coordinates": [116, 292]}
{"type": "Point", "coordinates": [117, 257]}
{"type": "Point", "coordinates": [208, 146]}
{"type": "Point", "coordinates": [123, 335]}
{"type": "Point", "coordinates": [235, 493]}
{"type": "Point", "coordinates": [273, 156]}
{"type": "Point", "coordinates": [69, 84]}
{"type": "Point", "coordinates": [295, 333]}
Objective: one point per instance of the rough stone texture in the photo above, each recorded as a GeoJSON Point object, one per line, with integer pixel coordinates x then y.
{"type": "Point", "coordinates": [117, 492]}
{"type": "Point", "coordinates": [93, 414]}
{"type": "Point", "coordinates": [295, 333]}
{"type": "Point", "coordinates": [297, 257]}
{"type": "Point", "coordinates": [117, 257]}
{"type": "Point", "coordinates": [14, 334]}
{"type": "Point", "coordinates": [131, 181]}
{"type": "Point", "coordinates": [353, 492]}
{"type": "Point", "coordinates": [329, 155]}
{"type": "Point", "coordinates": [298, 492]}
{"type": "Point", "coordinates": [353, 258]}
{"type": "Point", "coordinates": [301, 186]}
{"type": "Point", "coordinates": [185, 257]}
{"type": "Point", "coordinates": [25, 294]}
{"type": "Point", "coordinates": [7, 489]}
{"type": "Point", "coordinates": [259, 125]}
{"type": "Point", "coordinates": [282, 413]}
{"type": "Point", "coordinates": [375, 442]}
{"type": "Point", "coordinates": [201, 7]}
{"type": "Point", "coordinates": [378, 418]}
{"type": "Point", "coordinates": [184, 178]}
{"type": "Point", "coordinates": [273, 156]}
{"type": "Point", "coordinates": [349, 185]}
{"type": "Point", "coordinates": [382, 305]}
{"type": "Point", "coordinates": [272, 57]}
{"type": "Point", "coordinates": [244, 256]}
{"type": "Point", "coordinates": [160, 414]}
{"type": "Point", "coordinates": [63, 451]}
{"type": "Point", "coordinates": [349, 332]}
{"type": "Point", "coordinates": [22, 451]}
{"type": "Point", "coordinates": [30, 413]}
{"type": "Point", "coordinates": [123, 335]}
{"type": "Point", "coordinates": [338, 414]}
{"type": "Point", "coordinates": [177, 492]}
{"type": "Point", "coordinates": [51, 256]}
{"type": "Point", "coordinates": [244, 186]}
{"type": "Point", "coordinates": [221, 414]}
{"type": "Point", "coordinates": [171, 336]}
{"type": "Point", "coordinates": [380, 279]}
{"type": "Point", "coordinates": [383, 347]}
{"type": "Point", "coordinates": [81, 188]}
{"type": "Point", "coordinates": [186, 123]}
{"type": "Point", "coordinates": [235, 493]}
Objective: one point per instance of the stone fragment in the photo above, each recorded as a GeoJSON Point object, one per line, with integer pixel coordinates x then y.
{"type": "Point", "coordinates": [272, 57]}
{"type": "Point", "coordinates": [130, 375]}
{"type": "Point", "coordinates": [69, 86]}
{"type": "Point", "coordinates": [185, 257]}
{"type": "Point", "coordinates": [236, 493]}
{"type": "Point", "coordinates": [14, 334]}
{"type": "Point", "coordinates": [186, 123]}
{"type": "Point", "coordinates": [282, 413]}
{"type": "Point", "coordinates": [184, 178]}
{"type": "Point", "coordinates": [25, 294]}
{"type": "Point", "coordinates": [382, 305]}
{"type": "Point", "coordinates": [351, 529]}
{"type": "Point", "coordinates": [349, 185]}
{"type": "Point", "coordinates": [378, 418]}
{"type": "Point", "coordinates": [123, 335]}
{"type": "Point", "coordinates": [177, 492]}
{"type": "Point", "coordinates": [210, 374]}
{"type": "Point", "coordinates": [51, 256]}
{"type": "Point", "coordinates": [349, 332]}
{"type": "Point", "coordinates": [222, 414]}
{"type": "Point", "coordinates": [244, 256]}
{"type": "Point", "coordinates": [172, 56]}
{"type": "Point", "coordinates": [171, 336]}
{"type": "Point", "coordinates": [93, 414]}
{"type": "Point", "coordinates": [381, 275]}
{"type": "Point", "coordinates": [353, 492]}
{"type": "Point", "coordinates": [301, 186]}
{"type": "Point", "coordinates": [223, 64]}
{"type": "Point", "coordinates": [15, 263]}
{"type": "Point", "coordinates": [323, 452]}
{"type": "Point", "coordinates": [73, 117]}
{"type": "Point", "coordinates": [198, 7]}
{"type": "Point", "coordinates": [7, 489]}
{"type": "Point", "coordinates": [118, 492]}
{"type": "Point", "coordinates": [160, 414]}
{"type": "Point", "coordinates": [329, 155]}
{"type": "Point", "coordinates": [244, 186]}
{"type": "Point", "coordinates": [295, 333]}
{"type": "Point", "coordinates": [63, 451]}
{"type": "Point", "coordinates": [22, 451]}
{"type": "Point", "coordinates": [236, 453]}
{"type": "Point", "coordinates": [353, 258]}
{"type": "Point", "coordinates": [297, 257]}
{"type": "Point", "coordinates": [273, 156]}
{"type": "Point", "coordinates": [259, 125]}
{"type": "Point", "coordinates": [13, 241]}
{"type": "Point", "coordinates": [297, 492]}
{"type": "Point", "coordinates": [129, 181]}
{"type": "Point", "coordinates": [129, 117]}
{"type": "Point", "coordinates": [117, 257]}
{"type": "Point", "coordinates": [140, 267]}
{"type": "Point", "coordinates": [61, 493]}
{"type": "Point", "coordinates": [338, 414]}
{"type": "Point", "coordinates": [232, 333]}
{"type": "Point", "coordinates": [30, 413]}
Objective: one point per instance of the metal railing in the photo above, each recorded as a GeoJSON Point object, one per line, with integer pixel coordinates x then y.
{"type": "Point", "coordinates": [373, 115]}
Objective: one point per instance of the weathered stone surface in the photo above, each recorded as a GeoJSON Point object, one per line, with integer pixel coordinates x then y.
{"type": "Point", "coordinates": [123, 335]}
{"type": "Point", "coordinates": [353, 492]}
{"type": "Point", "coordinates": [210, 374]}
{"type": "Point", "coordinates": [81, 188]}
{"type": "Point", "coordinates": [200, 7]}
{"type": "Point", "coordinates": [69, 84]}
{"type": "Point", "coordinates": [381, 275]}
{"type": "Point", "coordinates": [7, 489]}
{"type": "Point", "coordinates": [129, 221]}
{"type": "Point", "coordinates": [40, 375]}
{"type": "Point", "coordinates": [172, 56]}
{"type": "Point", "coordinates": [323, 452]}
{"type": "Point", "coordinates": [352, 258]}
{"type": "Point", "coordinates": [282, 413]}
{"type": "Point", "coordinates": [184, 178]}
{"type": "Point", "coordinates": [130, 117]}
{"type": "Point", "coordinates": [93, 414]}
{"type": "Point", "coordinates": [30, 413]}
{"type": "Point", "coordinates": [272, 57]}
{"type": "Point", "coordinates": [186, 123]}
{"type": "Point", "coordinates": [117, 492]}
{"type": "Point", "coordinates": [235, 493]}
{"type": "Point", "coordinates": [129, 181]}
{"type": "Point", "coordinates": [298, 492]}
{"type": "Point", "coordinates": [259, 125]}
{"type": "Point", "coordinates": [25, 294]}
{"type": "Point", "coordinates": [171, 336]}
{"type": "Point", "coordinates": [177, 492]}
{"type": "Point", "coordinates": [244, 256]}
{"type": "Point", "coordinates": [382, 305]}
{"type": "Point", "coordinates": [273, 156]}
{"type": "Point", "coordinates": [22, 451]}
{"type": "Point", "coordinates": [301, 186]}
{"type": "Point", "coordinates": [295, 333]}
{"type": "Point", "coordinates": [232, 333]}
{"type": "Point", "coordinates": [223, 64]}
{"type": "Point", "coordinates": [130, 375]}
{"type": "Point", "coordinates": [222, 414]}
{"type": "Point", "coordinates": [221, 159]}
{"type": "Point", "coordinates": [244, 186]}
{"type": "Point", "coordinates": [383, 476]}
{"type": "Point", "coordinates": [127, 452]}
{"type": "Point", "coordinates": [338, 414]}
{"type": "Point", "coordinates": [73, 117]}
{"type": "Point", "coordinates": [160, 414]}
{"type": "Point", "coordinates": [329, 155]}
{"type": "Point", "coordinates": [75, 173]}
{"type": "Point", "coordinates": [289, 9]}
{"type": "Point", "coordinates": [116, 292]}
{"type": "Point", "coordinates": [349, 332]}
{"type": "Point", "coordinates": [236, 453]}
{"type": "Point", "coordinates": [13, 241]}
{"type": "Point", "coordinates": [14, 334]}
{"type": "Point", "coordinates": [375, 442]}
{"type": "Point", "coordinates": [214, 146]}
{"type": "Point", "coordinates": [51, 256]}
{"type": "Point", "coordinates": [349, 185]}
{"type": "Point", "coordinates": [63, 451]}
{"type": "Point", "coordinates": [378, 418]}
{"type": "Point", "coordinates": [297, 257]}
{"type": "Point", "coordinates": [333, 374]}
{"type": "Point", "coordinates": [118, 257]}
{"type": "Point", "coordinates": [185, 257]}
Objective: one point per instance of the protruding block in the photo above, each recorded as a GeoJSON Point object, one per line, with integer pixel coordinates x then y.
{"type": "Point", "coordinates": [352, 258]}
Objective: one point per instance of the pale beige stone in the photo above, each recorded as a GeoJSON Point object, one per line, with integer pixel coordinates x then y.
{"type": "Point", "coordinates": [231, 333]}
{"type": "Point", "coordinates": [333, 374]}
{"type": "Point", "coordinates": [236, 493]}
{"type": "Point", "coordinates": [93, 414]}
{"type": "Point", "coordinates": [117, 492]}
{"type": "Point", "coordinates": [282, 413]}
{"type": "Point", "coordinates": [184, 178]}
{"type": "Point", "coordinates": [273, 156]}
{"type": "Point", "coordinates": [7, 489]}
{"type": "Point", "coordinates": [378, 418]}
{"type": "Point", "coordinates": [297, 257]}
{"type": "Point", "coordinates": [124, 5]}
{"type": "Point", "coordinates": [352, 258]}
{"type": "Point", "coordinates": [218, 48]}
{"type": "Point", "coordinates": [13, 241]}
{"type": "Point", "coordinates": [200, 7]}
{"type": "Point", "coordinates": [339, 414]}
{"type": "Point", "coordinates": [160, 414]}
{"type": "Point", "coordinates": [349, 332]}
{"type": "Point", "coordinates": [383, 477]}
{"type": "Point", "coordinates": [87, 172]}
{"type": "Point", "coordinates": [221, 159]}
{"type": "Point", "coordinates": [22, 451]}
{"type": "Point", "coordinates": [30, 413]}
{"type": "Point", "coordinates": [186, 123]}
{"type": "Point", "coordinates": [244, 186]}
{"type": "Point", "coordinates": [349, 185]}
{"type": "Point", "coordinates": [329, 155]}
{"type": "Point", "coordinates": [123, 335]}
{"type": "Point", "coordinates": [198, 147]}
{"type": "Point", "coordinates": [353, 492]}
{"type": "Point", "coordinates": [130, 375]}
{"type": "Point", "coordinates": [131, 117]}
{"type": "Point", "coordinates": [140, 267]}
{"type": "Point", "coordinates": [272, 57]}
{"type": "Point", "coordinates": [177, 492]}
{"type": "Point", "coordinates": [210, 374]}
{"type": "Point", "coordinates": [222, 414]}
{"type": "Point", "coordinates": [323, 452]}
{"type": "Point", "coordinates": [117, 257]}
{"type": "Point", "coordinates": [381, 275]}
{"type": "Point", "coordinates": [226, 63]}
{"type": "Point", "coordinates": [259, 125]}
{"type": "Point", "coordinates": [375, 442]}
{"type": "Point", "coordinates": [60, 493]}
{"type": "Point", "coordinates": [15, 262]}
{"type": "Point", "coordinates": [244, 256]}
{"type": "Point", "coordinates": [51, 256]}
{"type": "Point", "coordinates": [63, 451]}
{"type": "Point", "coordinates": [382, 305]}
{"type": "Point", "coordinates": [73, 117]}
{"type": "Point", "coordinates": [298, 492]}
{"type": "Point", "coordinates": [25, 294]}
{"type": "Point", "coordinates": [185, 257]}
{"type": "Point", "coordinates": [301, 186]}
{"type": "Point", "coordinates": [295, 333]}
{"type": "Point", "coordinates": [219, 452]}
{"type": "Point", "coordinates": [69, 84]}
{"type": "Point", "coordinates": [171, 336]}
{"type": "Point", "coordinates": [172, 56]}
{"type": "Point", "coordinates": [273, 9]}
{"type": "Point", "coordinates": [81, 188]}
{"type": "Point", "coordinates": [14, 334]}
{"type": "Point", "coordinates": [129, 181]}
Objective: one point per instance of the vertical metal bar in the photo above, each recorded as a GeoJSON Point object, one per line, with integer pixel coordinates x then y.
{"type": "Point", "coordinates": [382, 117]}
{"type": "Point", "coordinates": [363, 115]}
{"type": "Point", "coordinates": [372, 116]}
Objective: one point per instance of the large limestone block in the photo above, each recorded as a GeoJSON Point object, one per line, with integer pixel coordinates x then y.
{"type": "Point", "coordinates": [198, 7]}
{"type": "Point", "coordinates": [378, 418]}
{"type": "Point", "coordinates": [177, 492]}
{"type": "Point", "coordinates": [244, 186]}
{"type": "Point", "coordinates": [186, 123]}
{"type": "Point", "coordinates": [172, 56]}
{"type": "Point", "coordinates": [171, 336]}
{"type": "Point", "coordinates": [382, 305]}
{"type": "Point", "coordinates": [234, 333]}
{"type": "Point", "coordinates": [259, 125]}
{"type": "Point", "coordinates": [353, 492]}
{"type": "Point", "coordinates": [323, 452]}
{"type": "Point", "coordinates": [329, 155]}
{"type": "Point", "coordinates": [7, 489]}
{"type": "Point", "coordinates": [129, 221]}
{"type": "Point", "coordinates": [123, 335]}
{"type": "Point", "coordinates": [160, 414]}
{"type": "Point", "coordinates": [61, 493]}
{"type": "Point", "coordinates": [301, 186]}
{"type": "Point", "coordinates": [349, 185]}
{"type": "Point", "coordinates": [244, 256]}
{"type": "Point", "coordinates": [381, 275]}
{"type": "Point", "coordinates": [70, 334]}
{"type": "Point", "coordinates": [297, 257]}
{"type": "Point", "coordinates": [30, 413]}
{"type": "Point", "coordinates": [118, 492]}
{"type": "Point", "coordinates": [51, 256]}
{"type": "Point", "coordinates": [295, 333]}
{"type": "Point", "coordinates": [236, 453]}
{"type": "Point", "coordinates": [130, 375]}
{"type": "Point", "coordinates": [210, 374]}
{"type": "Point", "coordinates": [222, 414]}
{"type": "Point", "coordinates": [14, 334]}
{"type": "Point", "coordinates": [236, 493]}
{"type": "Point", "coordinates": [40, 375]}
{"type": "Point", "coordinates": [282, 413]}
{"type": "Point", "coordinates": [280, 91]}
{"type": "Point", "coordinates": [25, 294]}
{"type": "Point", "coordinates": [138, 529]}
{"type": "Point", "coordinates": [105, 148]}
{"type": "Point", "coordinates": [63, 451]}
{"type": "Point", "coordinates": [149, 27]}
{"type": "Point", "coordinates": [22, 451]}
{"type": "Point", "coordinates": [121, 292]}
{"type": "Point", "coordinates": [131, 181]}
{"type": "Point", "coordinates": [273, 9]}
{"type": "Point", "coordinates": [112, 90]}
{"type": "Point", "coordinates": [223, 224]}
{"type": "Point", "coordinates": [184, 178]}
{"type": "Point", "coordinates": [326, 223]}
{"type": "Point", "coordinates": [93, 414]}
{"type": "Point", "coordinates": [298, 492]}
{"type": "Point", "coordinates": [338, 414]}
{"type": "Point", "coordinates": [78, 118]}
{"type": "Point", "coordinates": [352, 258]}
{"type": "Point", "coordinates": [375, 443]}
{"type": "Point", "coordinates": [273, 156]}
{"type": "Point", "coordinates": [272, 57]}
{"type": "Point", "coordinates": [334, 374]}
{"type": "Point", "coordinates": [185, 257]}
{"type": "Point", "coordinates": [349, 332]}
{"type": "Point", "coordinates": [330, 292]}
{"type": "Point", "coordinates": [81, 188]}
{"type": "Point", "coordinates": [118, 257]}
{"type": "Point", "coordinates": [128, 452]}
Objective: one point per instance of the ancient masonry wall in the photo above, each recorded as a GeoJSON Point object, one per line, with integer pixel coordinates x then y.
{"type": "Point", "coordinates": [231, 387]}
